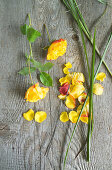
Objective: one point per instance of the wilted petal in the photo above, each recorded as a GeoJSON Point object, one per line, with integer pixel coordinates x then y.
{"type": "Point", "coordinates": [78, 77]}
{"type": "Point", "coordinates": [40, 116]}
{"type": "Point", "coordinates": [62, 97]}
{"type": "Point", "coordinates": [56, 49]}
{"type": "Point", "coordinates": [64, 117]}
{"type": "Point", "coordinates": [70, 102]}
{"type": "Point", "coordinates": [66, 71]}
{"type": "Point", "coordinates": [35, 93]}
{"type": "Point", "coordinates": [82, 98]}
{"type": "Point", "coordinates": [101, 76]}
{"type": "Point", "coordinates": [98, 89]}
{"type": "Point", "coordinates": [68, 65]}
{"type": "Point", "coordinates": [64, 89]}
{"type": "Point", "coordinates": [29, 115]}
{"type": "Point", "coordinates": [73, 116]}
{"type": "Point", "coordinates": [77, 90]}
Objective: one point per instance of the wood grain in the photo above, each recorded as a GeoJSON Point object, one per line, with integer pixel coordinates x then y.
{"type": "Point", "coordinates": [23, 144]}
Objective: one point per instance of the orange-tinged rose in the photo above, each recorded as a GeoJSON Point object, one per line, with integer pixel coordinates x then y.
{"type": "Point", "coordinates": [56, 49]}
{"type": "Point", "coordinates": [35, 93]}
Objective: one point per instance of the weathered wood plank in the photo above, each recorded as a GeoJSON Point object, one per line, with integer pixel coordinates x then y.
{"type": "Point", "coordinates": [23, 144]}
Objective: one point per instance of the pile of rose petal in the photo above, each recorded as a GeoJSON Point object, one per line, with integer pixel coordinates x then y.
{"type": "Point", "coordinates": [72, 89]}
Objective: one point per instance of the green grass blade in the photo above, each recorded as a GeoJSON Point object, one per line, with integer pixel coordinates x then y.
{"type": "Point", "coordinates": [92, 121]}
{"type": "Point", "coordinates": [84, 45]}
{"type": "Point", "coordinates": [82, 36]}
{"type": "Point", "coordinates": [102, 1]}
{"type": "Point", "coordinates": [83, 26]}
{"type": "Point", "coordinates": [107, 45]}
{"type": "Point", "coordinates": [91, 100]}
{"type": "Point", "coordinates": [81, 18]}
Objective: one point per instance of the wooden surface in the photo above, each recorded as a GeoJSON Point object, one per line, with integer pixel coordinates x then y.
{"type": "Point", "coordinates": [23, 144]}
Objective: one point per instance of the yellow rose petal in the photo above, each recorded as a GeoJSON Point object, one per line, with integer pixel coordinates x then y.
{"type": "Point", "coordinates": [77, 90]}
{"type": "Point", "coordinates": [98, 89]}
{"type": "Point", "coordinates": [62, 97]}
{"type": "Point", "coordinates": [64, 117]}
{"type": "Point", "coordinates": [84, 117]}
{"type": "Point", "coordinates": [66, 79]}
{"type": "Point", "coordinates": [78, 77]}
{"type": "Point", "coordinates": [68, 65]}
{"type": "Point", "coordinates": [66, 71]}
{"type": "Point", "coordinates": [101, 76]}
{"type": "Point", "coordinates": [73, 116]}
{"type": "Point", "coordinates": [70, 102]}
{"type": "Point", "coordinates": [40, 116]}
{"type": "Point", "coordinates": [29, 115]}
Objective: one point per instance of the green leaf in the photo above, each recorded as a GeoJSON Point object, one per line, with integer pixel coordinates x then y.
{"type": "Point", "coordinates": [36, 64]}
{"type": "Point", "coordinates": [41, 67]}
{"type": "Point", "coordinates": [47, 66]}
{"type": "Point", "coordinates": [24, 29]}
{"type": "Point", "coordinates": [46, 79]}
{"type": "Point", "coordinates": [25, 70]}
{"type": "Point", "coordinates": [32, 34]}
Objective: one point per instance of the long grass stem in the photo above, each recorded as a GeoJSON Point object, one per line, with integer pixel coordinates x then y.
{"type": "Point", "coordinates": [91, 101]}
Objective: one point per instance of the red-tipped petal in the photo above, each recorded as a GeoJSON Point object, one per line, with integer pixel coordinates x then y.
{"type": "Point", "coordinates": [64, 88]}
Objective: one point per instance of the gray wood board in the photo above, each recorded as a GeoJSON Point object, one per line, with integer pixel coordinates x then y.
{"type": "Point", "coordinates": [23, 144]}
